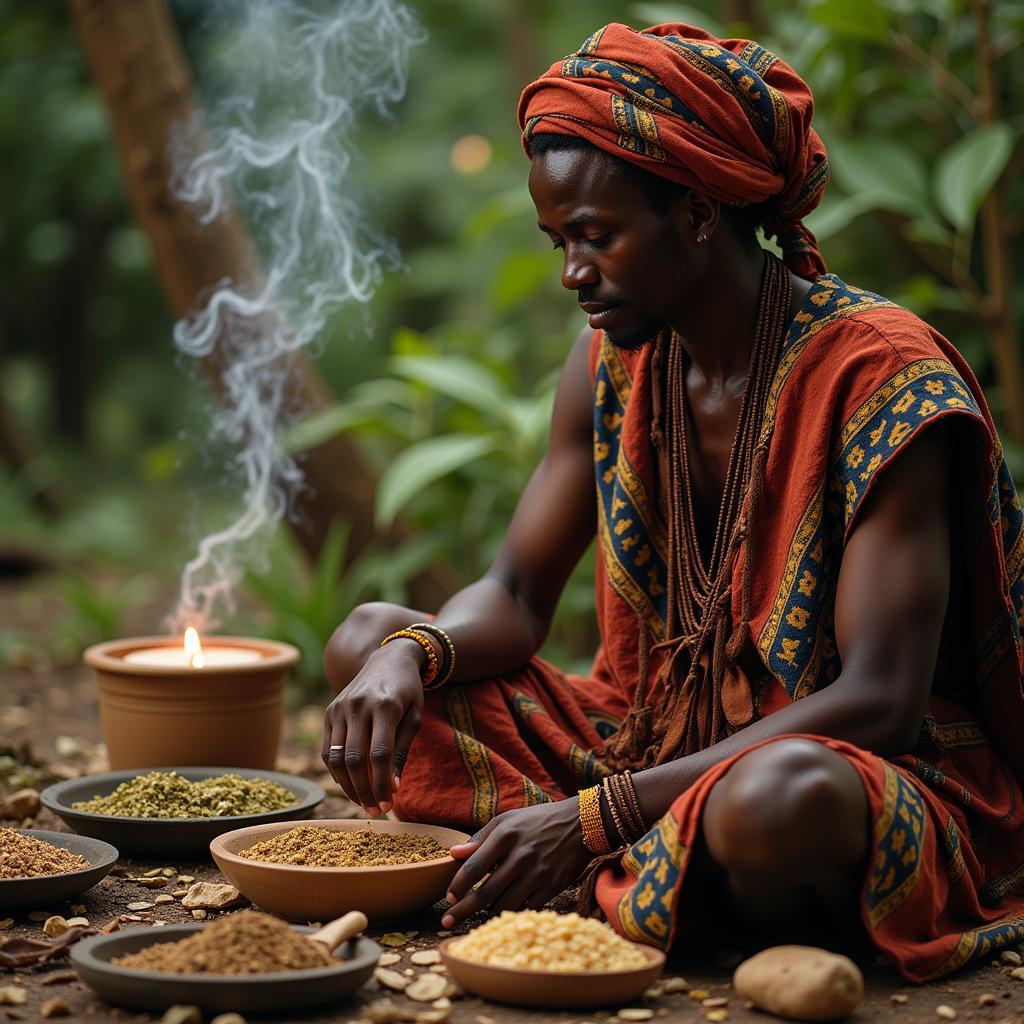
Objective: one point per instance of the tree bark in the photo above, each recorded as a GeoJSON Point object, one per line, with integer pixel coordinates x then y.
{"type": "Point", "coordinates": [140, 68]}
{"type": "Point", "coordinates": [1000, 310]}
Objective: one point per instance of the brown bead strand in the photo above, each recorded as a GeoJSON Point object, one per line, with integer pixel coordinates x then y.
{"type": "Point", "coordinates": [613, 810]}
{"type": "Point", "coordinates": [699, 592]}
{"type": "Point", "coordinates": [631, 801]}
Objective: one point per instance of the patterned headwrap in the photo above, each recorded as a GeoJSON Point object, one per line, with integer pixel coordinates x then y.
{"type": "Point", "coordinates": [723, 116]}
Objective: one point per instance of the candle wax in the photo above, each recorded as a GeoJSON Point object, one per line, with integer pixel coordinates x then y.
{"type": "Point", "coordinates": [177, 657]}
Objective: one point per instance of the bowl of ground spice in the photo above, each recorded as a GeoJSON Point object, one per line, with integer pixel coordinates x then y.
{"type": "Point", "coordinates": [178, 810]}
{"type": "Point", "coordinates": [314, 870]}
{"type": "Point", "coordinates": [543, 958]}
{"type": "Point", "coordinates": [245, 962]}
{"type": "Point", "coordinates": [39, 869]}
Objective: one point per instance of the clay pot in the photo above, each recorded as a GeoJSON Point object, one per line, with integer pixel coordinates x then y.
{"type": "Point", "coordinates": [157, 716]}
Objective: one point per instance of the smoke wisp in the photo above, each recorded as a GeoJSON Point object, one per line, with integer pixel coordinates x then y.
{"type": "Point", "coordinates": [282, 84]}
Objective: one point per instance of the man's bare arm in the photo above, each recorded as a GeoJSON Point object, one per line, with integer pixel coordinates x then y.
{"type": "Point", "coordinates": [891, 601]}
{"type": "Point", "coordinates": [495, 624]}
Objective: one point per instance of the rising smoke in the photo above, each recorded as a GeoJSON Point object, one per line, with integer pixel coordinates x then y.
{"type": "Point", "coordinates": [281, 85]}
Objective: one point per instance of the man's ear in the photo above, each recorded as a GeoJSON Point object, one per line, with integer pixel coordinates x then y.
{"type": "Point", "coordinates": [695, 214]}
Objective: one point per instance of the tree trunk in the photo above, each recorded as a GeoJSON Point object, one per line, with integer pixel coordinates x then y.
{"type": "Point", "coordinates": [138, 64]}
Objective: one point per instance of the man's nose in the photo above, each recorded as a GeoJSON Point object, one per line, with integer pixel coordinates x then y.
{"type": "Point", "coordinates": [577, 270]}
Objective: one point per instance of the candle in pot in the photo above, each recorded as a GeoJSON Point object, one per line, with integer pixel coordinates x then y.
{"type": "Point", "coordinates": [193, 655]}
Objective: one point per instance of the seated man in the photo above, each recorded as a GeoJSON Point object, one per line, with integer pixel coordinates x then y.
{"type": "Point", "coordinates": [807, 701]}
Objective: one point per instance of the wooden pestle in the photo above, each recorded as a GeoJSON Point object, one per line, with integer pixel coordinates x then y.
{"type": "Point", "coordinates": [335, 932]}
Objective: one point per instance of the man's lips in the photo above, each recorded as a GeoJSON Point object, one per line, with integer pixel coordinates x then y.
{"type": "Point", "coordinates": [599, 313]}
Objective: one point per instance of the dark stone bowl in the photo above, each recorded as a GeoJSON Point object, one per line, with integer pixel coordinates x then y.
{"type": "Point", "coordinates": [212, 993]}
{"type": "Point", "coordinates": [165, 837]}
{"type": "Point", "coordinates": [46, 891]}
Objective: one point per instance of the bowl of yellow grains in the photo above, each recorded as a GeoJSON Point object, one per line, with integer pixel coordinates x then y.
{"type": "Point", "coordinates": [542, 958]}
{"type": "Point", "coordinates": [39, 868]}
{"type": "Point", "coordinates": [177, 810]}
{"type": "Point", "coordinates": [243, 962]}
{"type": "Point", "coordinates": [317, 869]}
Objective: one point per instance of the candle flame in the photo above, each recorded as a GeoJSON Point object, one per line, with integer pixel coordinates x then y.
{"type": "Point", "coordinates": [193, 648]}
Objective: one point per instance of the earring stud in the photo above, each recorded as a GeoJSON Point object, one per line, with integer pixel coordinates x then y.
{"type": "Point", "coordinates": [701, 238]}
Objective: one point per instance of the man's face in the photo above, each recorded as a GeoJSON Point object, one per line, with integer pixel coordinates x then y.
{"type": "Point", "coordinates": [621, 258]}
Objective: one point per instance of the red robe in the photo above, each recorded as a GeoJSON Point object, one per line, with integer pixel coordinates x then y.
{"type": "Point", "coordinates": [859, 379]}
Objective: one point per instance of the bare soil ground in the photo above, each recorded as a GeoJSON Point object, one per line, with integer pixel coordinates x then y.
{"type": "Point", "coordinates": [40, 704]}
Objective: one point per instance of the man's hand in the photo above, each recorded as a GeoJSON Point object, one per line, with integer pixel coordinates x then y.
{"type": "Point", "coordinates": [520, 858]}
{"type": "Point", "coordinates": [370, 725]}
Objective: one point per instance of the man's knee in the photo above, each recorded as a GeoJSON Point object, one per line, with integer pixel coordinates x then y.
{"type": "Point", "coordinates": [359, 635]}
{"type": "Point", "coordinates": [787, 804]}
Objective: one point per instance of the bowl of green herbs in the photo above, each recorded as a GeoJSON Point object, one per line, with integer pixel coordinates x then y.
{"type": "Point", "coordinates": [178, 810]}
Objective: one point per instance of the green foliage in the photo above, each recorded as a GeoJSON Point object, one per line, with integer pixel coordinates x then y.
{"type": "Point", "coordinates": [448, 382]}
{"type": "Point", "coordinates": [967, 170]}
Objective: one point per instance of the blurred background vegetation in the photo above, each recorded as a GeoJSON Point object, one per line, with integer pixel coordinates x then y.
{"type": "Point", "coordinates": [447, 391]}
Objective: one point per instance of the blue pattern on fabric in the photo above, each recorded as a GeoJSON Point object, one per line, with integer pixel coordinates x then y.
{"type": "Point", "coordinates": [631, 543]}
{"type": "Point", "coordinates": [899, 839]}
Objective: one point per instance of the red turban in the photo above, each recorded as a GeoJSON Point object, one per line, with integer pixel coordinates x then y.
{"type": "Point", "coordinates": [723, 116]}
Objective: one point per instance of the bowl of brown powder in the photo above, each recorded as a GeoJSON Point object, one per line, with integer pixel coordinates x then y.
{"type": "Point", "coordinates": [40, 868]}
{"type": "Point", "coordinates": [178, 810]}
{"type": "Point", "coordinates": [246, 962]}
{"type": "Point", "coordinates": [318, 869]}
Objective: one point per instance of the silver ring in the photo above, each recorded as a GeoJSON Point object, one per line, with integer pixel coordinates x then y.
{"type": "Point", "coordinates": [337, 746]}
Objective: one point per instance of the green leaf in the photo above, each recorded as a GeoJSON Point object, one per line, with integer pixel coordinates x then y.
{"type": "Point", "coordinates": [886, 172]}
{"type": "Point", "coordinates": [521, 277]}
{"type": "Point", "coordinates": [968, 169]}
{"type": "Point", "coordinates": [421, 464]}
{"type": "Point", "coordinates": [322, 426]}
{"type": "Point", "coordinates": [857, 19]}
{"type": "Point", "coordinates": [834, 214]}
{"type": "Point", "coordinates": [456, 377]}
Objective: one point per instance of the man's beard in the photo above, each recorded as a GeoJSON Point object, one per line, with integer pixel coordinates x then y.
{"type": "Point", "coordinates": [635, 337]}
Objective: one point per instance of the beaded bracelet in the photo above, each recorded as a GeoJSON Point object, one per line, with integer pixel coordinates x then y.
{"type": "Point", "coordinates": [623, 809]}
{"type": "Point", "coordinates": [609, 796]}
{"type": "Point", "coordinates": [447, 650]}
{"type": "Point", "coordinates": [595, 839]}
{"type": "Point", "coordinates": [432, 666]}
{"type": "Point", "coordinates": [632, 802]}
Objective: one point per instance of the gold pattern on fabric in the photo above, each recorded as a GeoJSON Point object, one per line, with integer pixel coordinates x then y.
{"type": "Point", "coordinates": [656, 861]}
{"type": "Point", "coordinates": [631, 533]}
{"type": "Point", "coordinates": [474, 756]}
{"type": "Point", "coordinates": [899, 839]}
{"type": "Point", "coordinates": [832, 300]}
{"type": "Point", "coordinates": [1007, 931]}
{"type": "Point", "coordinates": [533, 794]}
{"type": "Point", "coordinates": [794, 577]}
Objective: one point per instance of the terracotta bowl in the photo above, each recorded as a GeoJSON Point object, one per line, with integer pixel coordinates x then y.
{"type": "Point", "coordinates": [49, 890]}
{"type": "Point", "coordinates": [553, 989]}
{"type": "Point", "coordinates": [301, 893]}
{"type": "Point", "coordinates": [213, 993]}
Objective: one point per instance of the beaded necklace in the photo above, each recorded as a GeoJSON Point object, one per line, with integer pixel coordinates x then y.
{"type": "Point", "coordinates": [690, 714]}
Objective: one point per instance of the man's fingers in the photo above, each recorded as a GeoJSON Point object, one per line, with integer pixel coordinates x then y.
{"type": "Point", "coordinates": [382, 752]}
{"type": "Point", "coordinates": [334, 751]}
{"type": "Point", "coordinates": [407, 730]}
{"type": "Point", "coordinates": [490, 891]}
{"type": "Point", "coordinates": [488, 849]}
{"type": "Point", "coordinates": [356, 743]}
